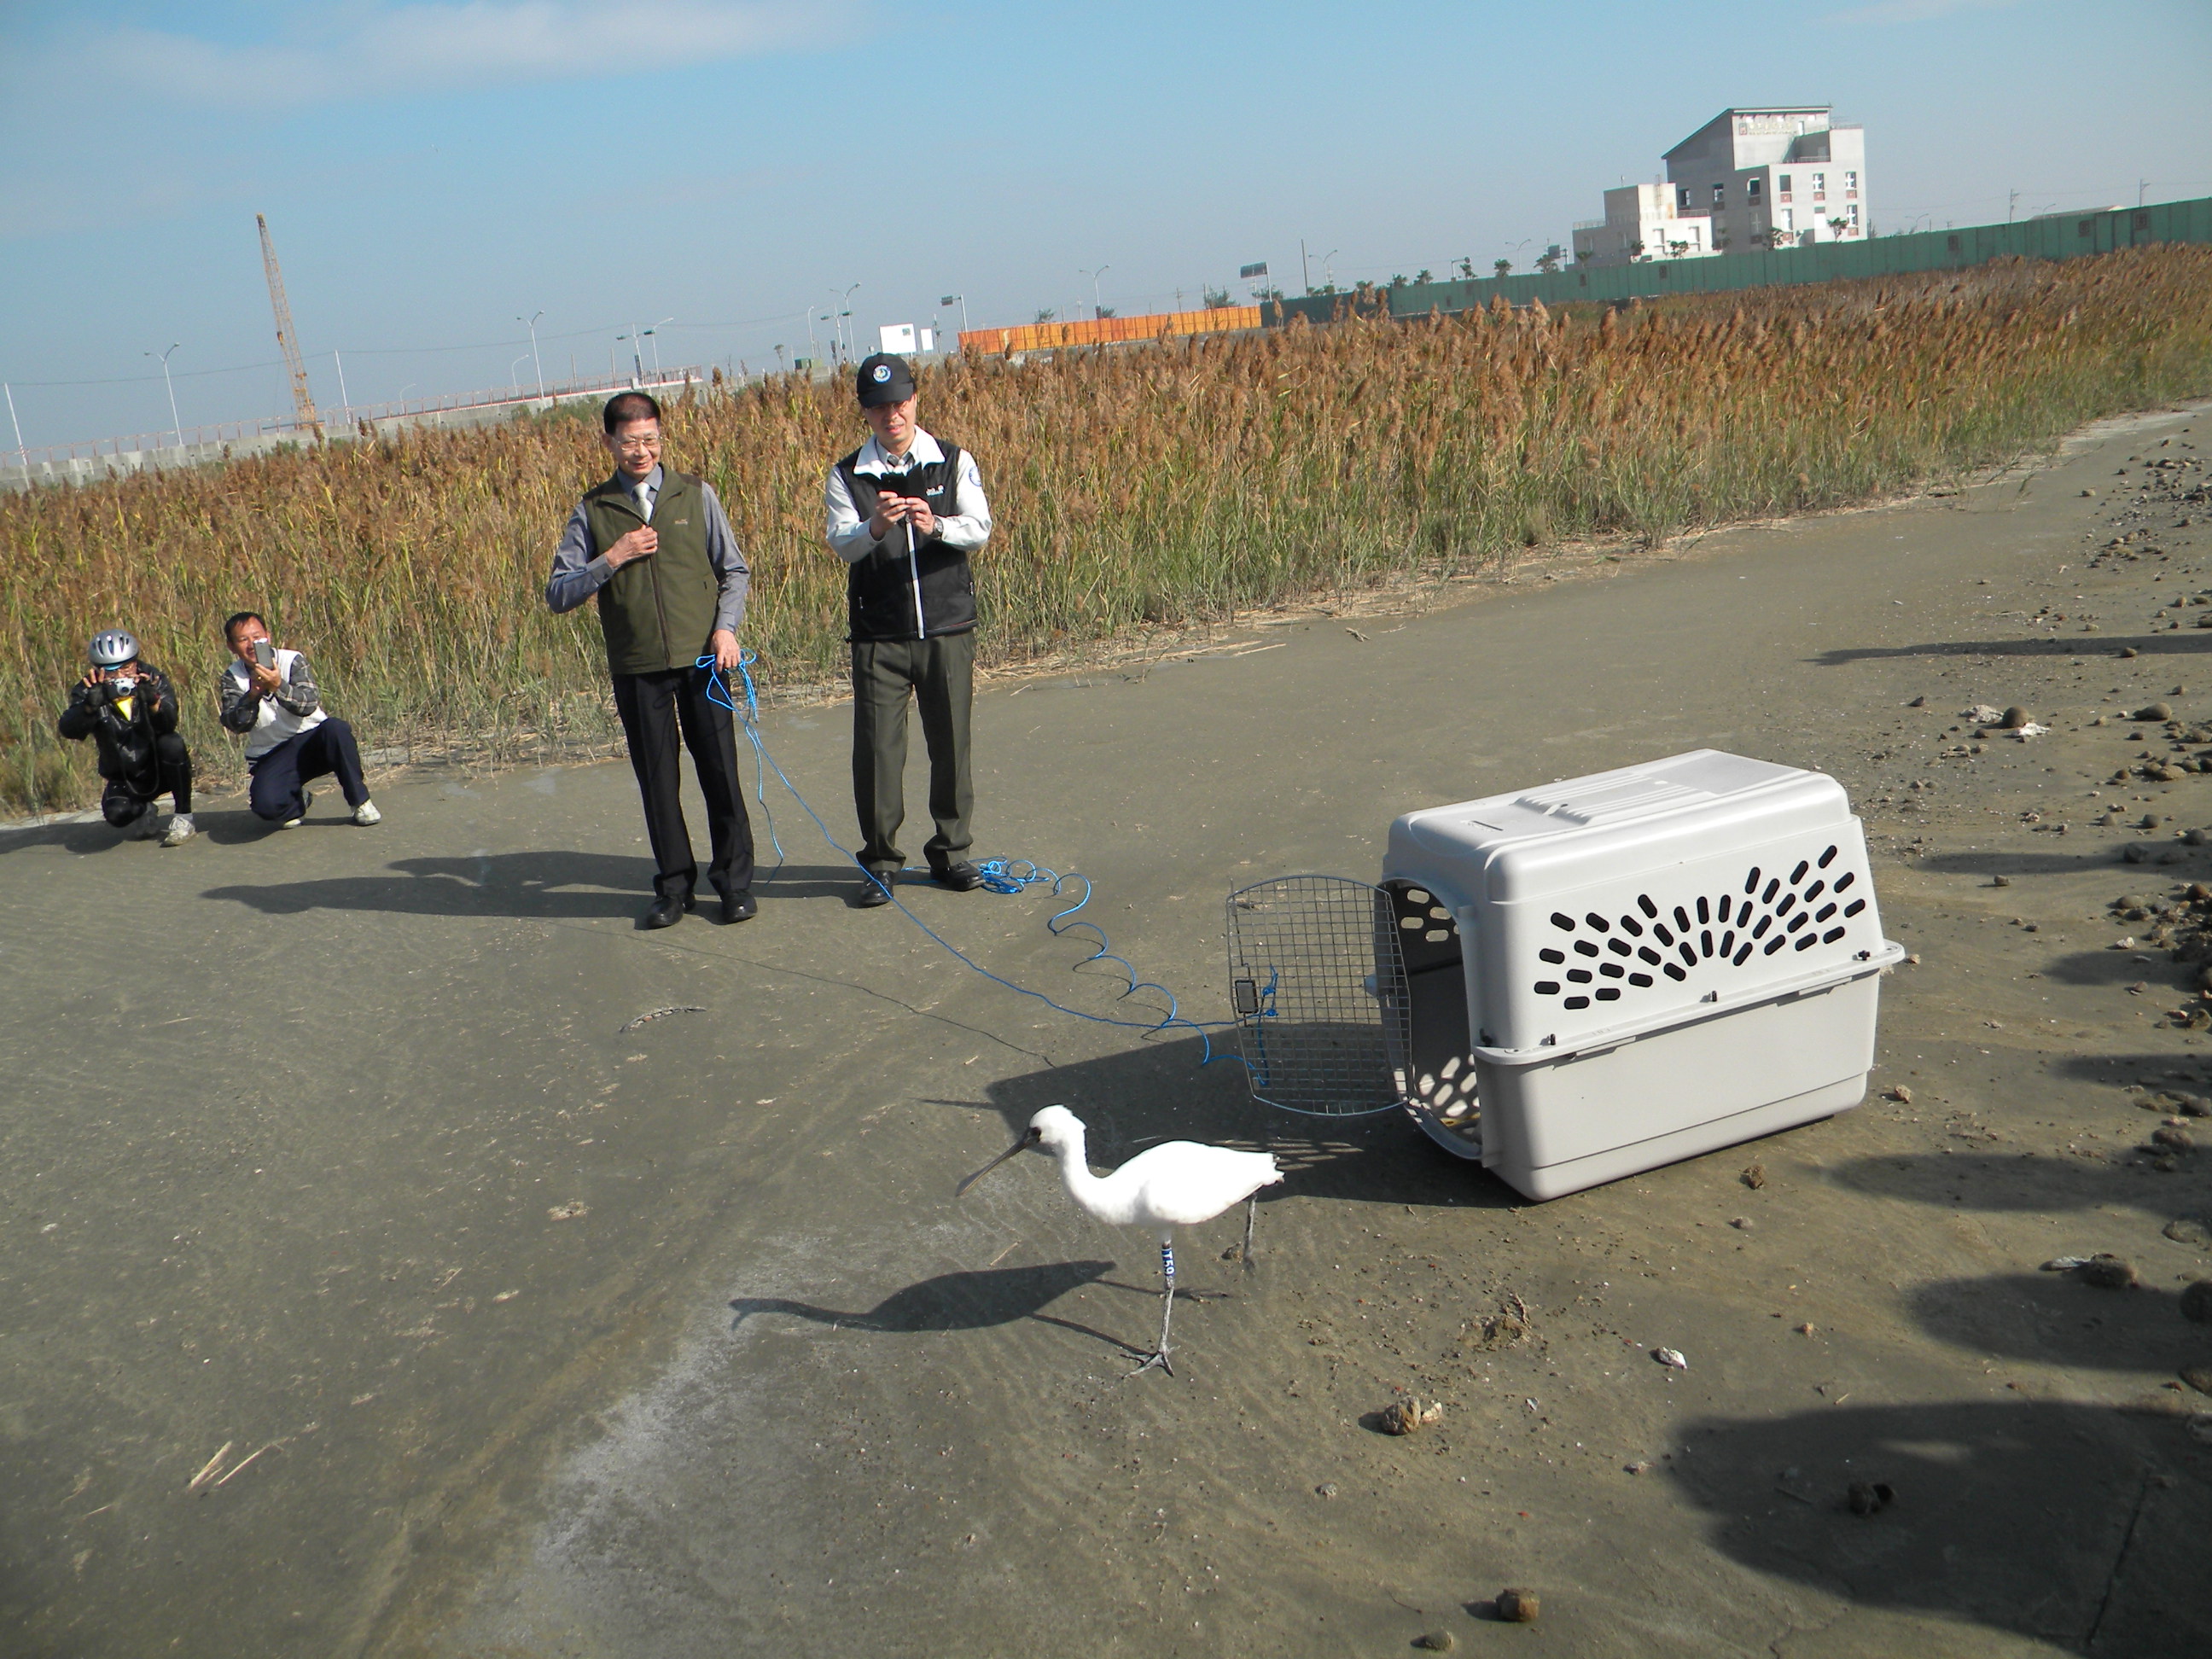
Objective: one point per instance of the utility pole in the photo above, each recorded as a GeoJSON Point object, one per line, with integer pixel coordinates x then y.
{"type": "Point", "coordinates": [345, 397]}
{"type": "Point", "coordinates": [2142, 189]}
{"type": "Point", "coordinates": [531, 322]}
{"type": "Point", "coordinates": [1305, 270]}
{"type": "Point", "coordinates": [175, 426]}
{"type": "Point", "coordinates": [2012, 201]}
{"type": "Point", "coordinates": [303, 402]}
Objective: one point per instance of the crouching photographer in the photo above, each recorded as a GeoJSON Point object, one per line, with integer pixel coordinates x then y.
{"type": "Point", "coordinates": [269, 696]}
{"type": "Point", "coordinates": [128, 709]}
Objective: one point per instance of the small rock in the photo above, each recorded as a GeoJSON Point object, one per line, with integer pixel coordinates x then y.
{"type": "Point", "coordinates": [2107, 1273]}
{"type": "Point", "coordinates": [2196, 1301]}
{"type": "Point", "coordinates": [1900, 1094]}
{"type": "Point", "coordinates": [2187, 1229]}
{"type": "Point", "coordinates": [1805, 1330]}
{"type": "Point", "coordinates": [2138, 987]}
{"type": "Point", "coordinates": [1912, 958]}
{"type": "Point", "coordinates": [2092, 492]}
{"type": "Point", "coordinates": [1517, 1606]}
{"type": "Point", "coordinates": [1409, 1416]}
{"type": "Point", "coordinates": [1982, 714]}
{"type": "Point", "coordinates": [1742, 1223]}
{"type": "Point", "coordinates": [2172, 1139]}
{"type": "Point", "coordinates": [2156, 711]}
{"type": "Point", "coordinates": [2127, 651]}
{"type": "Point", "coordinates": [1755, 1177]}
{"type": "Point", "coordinates": [2000, 881]}
{"type": "Point", "coordinates": [2196, 1106]}
{"type": "Point", "coordinates": [1436, 1641]}
{"type": "Point", "coordinates": [1326, 1489]}
{"type": "Point", "coordinates": [2198, 1378]}
{"type": "Point", "coordinates": [571, 1211]}
{"type": "Point", "coordinates": [1671, 1358]}
{"type": "Point", "coordinates": [1869, 1496]}
{"type": "Point", "coordinates": [2014, 718]}
{"type": "Point", "coordinates": [1917, 702]}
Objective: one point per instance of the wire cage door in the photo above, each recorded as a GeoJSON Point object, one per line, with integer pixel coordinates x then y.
{"type": "Point", "coordinates": [1318, 985]}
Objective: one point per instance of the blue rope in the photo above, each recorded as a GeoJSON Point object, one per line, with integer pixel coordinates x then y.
{"type": "Point", "coordinates": [1006, 876]}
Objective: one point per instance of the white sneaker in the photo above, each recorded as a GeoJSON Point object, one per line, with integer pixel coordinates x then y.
{"type": "Point", "coordinates": [366, 814]}
{"type": "Point", "coordinates": [181, 830]}
{"type": "Point", "coordinates": [306, 800]}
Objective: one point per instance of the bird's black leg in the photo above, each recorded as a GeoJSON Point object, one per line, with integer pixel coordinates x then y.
{"type": "Point", "coordinates": [1160, 1356]}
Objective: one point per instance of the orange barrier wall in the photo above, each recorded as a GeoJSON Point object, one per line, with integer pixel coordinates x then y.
{"type": "Point", "coordinates": [1109, 330]}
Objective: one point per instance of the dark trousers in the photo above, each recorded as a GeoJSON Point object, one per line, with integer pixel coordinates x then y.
{"type": "Point", "coordinates": [277, 791]}
{"type": "Point", "coordinates": [171, 774]}
{"type": "Point", "coordinates": [652, 706]}
{"type": "Point", "coordinates": [939, 675]}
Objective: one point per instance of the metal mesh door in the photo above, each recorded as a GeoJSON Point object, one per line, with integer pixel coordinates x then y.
{"type": "Point", "coordinates": [1319, 989]}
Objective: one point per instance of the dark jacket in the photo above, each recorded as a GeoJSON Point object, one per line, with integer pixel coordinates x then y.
{"type": "Point", "coordinates": [893, 595]}
{"type": "Point", "coordinates": [656, 613]}
{"type": "Point", "coordinates": [125, 740]}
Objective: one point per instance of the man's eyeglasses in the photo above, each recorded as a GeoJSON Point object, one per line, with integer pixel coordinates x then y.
{"type": "Point", "coordinates": [637, 446]}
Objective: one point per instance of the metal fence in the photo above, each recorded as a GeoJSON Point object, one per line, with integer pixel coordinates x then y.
{"type": "Point", "coordinates": [2061, 236]}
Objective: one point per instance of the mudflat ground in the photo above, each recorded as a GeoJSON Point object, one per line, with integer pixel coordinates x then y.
{"type": "Point", "coordinates": [524, 1334]}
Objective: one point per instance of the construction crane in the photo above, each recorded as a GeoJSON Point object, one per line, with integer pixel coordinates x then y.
{"type": "Point", "coordinates": [303, 401]}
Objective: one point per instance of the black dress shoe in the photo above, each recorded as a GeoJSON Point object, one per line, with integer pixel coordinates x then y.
{"type": "Point", "coordinates": [738, 906]}
{"type": "Point", "coordinates": [876, 891]}
{"type": "Point", "coordinates": [960, 878]}
{"type": "Point", "coordinates": [668, 910]}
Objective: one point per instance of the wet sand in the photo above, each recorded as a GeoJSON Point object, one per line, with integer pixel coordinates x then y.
{"type": "Point", "coordinates": [557, 1339]}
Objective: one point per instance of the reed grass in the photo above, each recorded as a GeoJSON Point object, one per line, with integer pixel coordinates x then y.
{"type": "Point", "coordinates": [1159, 485]}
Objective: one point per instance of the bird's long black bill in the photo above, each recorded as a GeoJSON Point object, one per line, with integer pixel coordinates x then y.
{"type": "Point", "coordinates": [1021, 1146]}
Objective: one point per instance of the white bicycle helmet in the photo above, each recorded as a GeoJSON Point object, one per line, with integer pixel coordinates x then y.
{"type": "Point", "coordinates": [111, 647]}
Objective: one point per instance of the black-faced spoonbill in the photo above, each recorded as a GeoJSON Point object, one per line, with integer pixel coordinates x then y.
{"type": "Point", "coordinates": [1178, 1183]}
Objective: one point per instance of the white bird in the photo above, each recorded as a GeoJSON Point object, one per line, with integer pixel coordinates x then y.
{"type": "Point", "coordinates": [1178, 1183]}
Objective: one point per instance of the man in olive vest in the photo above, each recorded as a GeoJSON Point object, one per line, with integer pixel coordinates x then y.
{"type": "Point", "coordinates": [656, 548]}
{"type": "Point", "coordinates": [905, 512]}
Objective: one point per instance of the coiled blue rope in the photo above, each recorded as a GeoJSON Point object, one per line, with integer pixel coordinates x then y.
{"type": "Point", "coordinates": [1005, 876]}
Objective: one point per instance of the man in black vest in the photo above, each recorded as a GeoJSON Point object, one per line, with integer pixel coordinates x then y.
{"type": "Point", "coordinates": [905, 512]}
{"type": "Point", "coordinates": [656, 548]}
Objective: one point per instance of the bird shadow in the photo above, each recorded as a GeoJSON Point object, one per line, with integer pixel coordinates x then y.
{"type": "Point", "coordinates": [954, 1302]}
{"type": "Point", "coordinates": [1167, 1089]}
{"type": "Point", "coordinates": [2073, 1524]}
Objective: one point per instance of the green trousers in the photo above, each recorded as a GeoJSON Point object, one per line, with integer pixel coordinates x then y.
{"type": "Point", "coordinates": [939, 674]}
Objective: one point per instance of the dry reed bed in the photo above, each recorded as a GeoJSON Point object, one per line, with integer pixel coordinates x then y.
{"type": "Point", "coordinates": [1160, 485]}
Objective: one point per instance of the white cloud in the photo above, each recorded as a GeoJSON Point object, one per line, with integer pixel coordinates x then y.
{"type": "Point", "coordinates": [1913, 11]}
{"type": "Point", "coordinates": [383, 49]}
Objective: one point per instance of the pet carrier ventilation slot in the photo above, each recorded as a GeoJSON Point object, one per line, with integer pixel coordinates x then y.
{"type": "Point", "coordinates": [1577, 982]}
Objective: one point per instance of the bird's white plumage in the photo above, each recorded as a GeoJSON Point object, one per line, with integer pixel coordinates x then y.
{"type": "Point", "coordinates": [1178, 1183]}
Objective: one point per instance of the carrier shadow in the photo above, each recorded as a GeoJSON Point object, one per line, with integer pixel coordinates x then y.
{"type": "Point", "coordinates": [1159, 1090]}
{"type": "Point", "coordinates": [2076, 1525]}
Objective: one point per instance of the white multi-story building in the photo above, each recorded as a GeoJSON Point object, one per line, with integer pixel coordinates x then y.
{"type": "Point", "coordinates": [1777, 176]}
{"type": "Point", "coordinates": [1641, 222]}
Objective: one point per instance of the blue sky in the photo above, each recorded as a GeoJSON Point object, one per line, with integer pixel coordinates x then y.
{"type": "Point", "coordinates": [435, 169]}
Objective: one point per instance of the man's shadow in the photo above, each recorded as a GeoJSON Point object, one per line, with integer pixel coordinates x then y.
{"type": "Point", "coordinates": [534, 885]}
{"type": "Point", "coordinates": [2082, 1525]}
{"type": "Point", "coordinates": [951, 1301]}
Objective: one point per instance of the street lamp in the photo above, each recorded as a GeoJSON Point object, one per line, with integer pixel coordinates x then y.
{"type": "Point", "coordinates": [960, 299]}
{"type": "Point", "coordinates": [845, 305]}
{"type": "Point", "coordinates": [512, 367]}
{"type": "Point", "coordinates": [531, 323]}
{"type": "Point", "coordinates": [1328, 275]}
{"type": "Point", "coordinates": [175, 425]}
{"type": "Point", "coordinates": [1098, 307]}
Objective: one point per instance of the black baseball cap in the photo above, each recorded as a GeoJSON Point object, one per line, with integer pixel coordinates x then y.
{"type": "Point", "coordinates": [883, 380]}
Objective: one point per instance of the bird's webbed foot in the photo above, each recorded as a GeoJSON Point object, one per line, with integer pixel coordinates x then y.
{"type": "Point", "coordinates": [1157, 1357]}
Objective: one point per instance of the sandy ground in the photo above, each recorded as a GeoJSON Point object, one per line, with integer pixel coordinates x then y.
{"type": "Point", "coordinates": [530, 1335]}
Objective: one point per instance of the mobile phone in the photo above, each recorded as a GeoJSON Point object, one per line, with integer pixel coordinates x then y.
{"type": "Point", "coordinates": [263, 652]}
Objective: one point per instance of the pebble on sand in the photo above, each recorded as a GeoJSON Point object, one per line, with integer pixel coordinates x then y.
{"type": "Point", "coordinates": [1755, 1177]}
{"type": "Point", "coordinates": [1409, 1416]}
{"type": "Point", "coordinates": [2127, 651]}
{"type": "Point", "coordinates": [1900, 1094]}
{"type": "Point", "coordinates": [2015, 717]}
{"type": "Point", "coordinates": [2198, 1378]}
{"type": "Point", "coordinates": [1434, 1641]}
{"type": "Point", "coordinates": [1869, 1496]}
{"type": "Point", "coordinates": [2196, 1301]}
{"type": "Point", "coordinates": [2155, 711]}
{"type": "Point", "coordinates": [1742, 1223]}
{"type": "Point", "coordinates": [2187, 1229]}
{"type": "Point", "coordinates": [2172, 1139]}
{"type": "Point", "coordinates": [1516, 1607]}
{"type": "Point", "coordinates": [2107, 1273]}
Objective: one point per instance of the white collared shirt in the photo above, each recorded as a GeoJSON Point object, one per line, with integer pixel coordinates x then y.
{"type": "Point", "coordinates": [965, 530]}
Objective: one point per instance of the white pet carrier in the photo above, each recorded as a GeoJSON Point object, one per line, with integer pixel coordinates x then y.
{"type": "Point", "coordinates": [1576, 982]}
